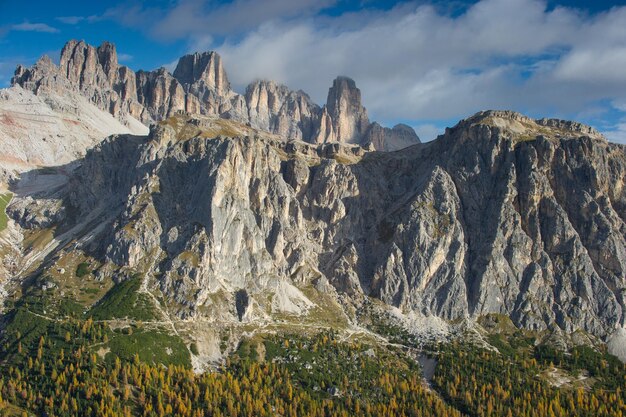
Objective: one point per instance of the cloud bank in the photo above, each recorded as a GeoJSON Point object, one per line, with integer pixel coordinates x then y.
{"type": "Point", "coordinates": [417, 62]}
{"type": "Point", "coordinates": [34, 27]}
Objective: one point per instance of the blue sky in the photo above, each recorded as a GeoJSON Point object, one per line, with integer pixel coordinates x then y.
{"type": "Point", "coordinates": [424, 63]}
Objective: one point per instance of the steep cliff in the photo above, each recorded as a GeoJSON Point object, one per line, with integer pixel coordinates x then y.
{"type": "Point", "coordinates": [502, 214]}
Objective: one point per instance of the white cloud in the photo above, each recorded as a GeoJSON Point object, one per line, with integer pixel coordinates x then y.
{"type": "Point", "coordinates": [428, 131]}
{"type": "Point", "coordinates": [600, 65]}
{"type": "Point", "coordinates": [413, 62]}
{"type": "Point", "coordinates": [188, 19]}
{"type": "Point", "coordinates": [34, 27]}
{"type": "Point", "coordinates": [619, 104]}
{"type": "Point", "coordinates": [617, 133]}
{"type": "Point", "coordinates": [70, 20]}
{"type": "Point", "coordinates": [124, 57]}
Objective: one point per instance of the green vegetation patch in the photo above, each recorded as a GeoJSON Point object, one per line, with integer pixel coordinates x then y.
{"type": "Point", "coordinates": [5, 199]}
{"type": "Point", "coordinates": [150, 346]}
{"type": "Point", "coordinates": [61, 331]}
{"type": "Point", "coordinates": [82, 269]}
{"type": "Point", "coordinates": [80, 383]}
{"type": "Point", "coordinates": [607, 370]}
{"type": "Point", "coordinates": [125, 301]}
{"type": "Point", "coordinates": [324, 366]}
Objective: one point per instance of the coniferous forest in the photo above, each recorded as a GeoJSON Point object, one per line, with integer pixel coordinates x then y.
{"type": "Point", "coordinates": [58, 368]}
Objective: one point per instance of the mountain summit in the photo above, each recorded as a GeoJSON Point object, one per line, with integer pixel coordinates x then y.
{"type": "Point", "coordinates": [349, 117]}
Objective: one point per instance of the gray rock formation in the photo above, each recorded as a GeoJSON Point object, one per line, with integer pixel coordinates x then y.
{"type": "Point", "coordinates": [501, 214]}
{"type": "Point", "coordinates": [275, 108]}
{"type": "Point", "coordinates": [93, 72]}
{"type": "Point", "coordinates": [49, 129]}
{"type": "Point", "coordinates": [160, 94]}
{"type": "Point", "coordinates": [385, 139]}
{"type": "Point", "coordinates": [98, 76]}
{"type": "Point", "coordinates": [203, 70]}
{"type": "Point", "coordinates": [349, 117]}
{"type": "Point", "coordinates": [205, 83]}
{"type": "Point", "coordinates": [200, 85]}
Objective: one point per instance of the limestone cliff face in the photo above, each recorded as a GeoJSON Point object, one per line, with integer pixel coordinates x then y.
{"type": "Point", "coordinates": [160, 94]}
{"type": "Point", "coordinates": [93, 72]}
{"type": "Point", "coordinates": [274, 108]}
{"type": "Point", "coordinates": [386, 139]}
{"type": "Point", "coordinates": [99, 77]}
{"type": "Point", "coordinates": [501, 214]}
{"type": "Point", "coordinates": [344, 106]}
{"type": "Point", "coordinates": [42, 77]}
{"type": "Point", "coordinates": [199, 85]}
{"type": "Point", "coordinates": [206, 85]}
{"type": "Point", "coordinates": [203, 69]}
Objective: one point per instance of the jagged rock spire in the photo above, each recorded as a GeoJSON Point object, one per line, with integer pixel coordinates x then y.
{"type": "Point", "coordinates": [203, 67]}
{"type": "Point", "coordinates": [349, 117]}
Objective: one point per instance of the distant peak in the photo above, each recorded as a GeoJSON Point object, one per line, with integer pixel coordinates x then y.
{"type": "Point", "coordinates": [259, 82]}
{"type": "Point", "coordinates": [527, 128]}
{"type": "Point", "coordinates": [498, 114]}
{"type": "Point", "coordinates": [401, 127]}
{"type": "Point", "coordinates": [349, 117]}
{"type": "Point", "coordinates": [107, 45]}
{"type": "Point", "coordinates": [343, 82]}
{"type": "Point", "coordinates": [45, 60]}
{"type": "Point", "coordinates": [72, 43]}
{"type": "Point", "coordinates": [203, 66]}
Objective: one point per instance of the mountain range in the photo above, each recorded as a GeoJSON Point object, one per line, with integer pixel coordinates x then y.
{"type": "Point", "coordinates": [199, 85]}
{"type": "Point", "coordinates": [263, 211]}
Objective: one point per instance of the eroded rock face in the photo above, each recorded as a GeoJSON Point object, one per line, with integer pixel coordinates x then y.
{"type": "Point", "coordinates": [385, 139]}
{"type": "Point", "coordinates": [203, 69]}
{"type": "Point", "coordinates": [93, 72]}
{"type": "Point", "coordinates": [502, 214]}
{"type": "Point", "coordinates": [199, 85]}
{"type": "Point", "coordinates": [160, 94]}
{"type": "Point", "coordinates": [96, 73]}
{"type": "Point", "coordinates": [275, 108]}
{"type": "Point", "coordinates": [349, 117]}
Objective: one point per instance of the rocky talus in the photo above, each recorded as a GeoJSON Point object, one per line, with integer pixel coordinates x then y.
{"type": "Point", "coordinates": [199, 85]}
{"type": "Point", "coordinates": [502, 214]}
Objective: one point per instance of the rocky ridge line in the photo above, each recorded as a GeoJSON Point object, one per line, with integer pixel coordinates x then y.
{"type": "Point", "coordinates": [199, 85]}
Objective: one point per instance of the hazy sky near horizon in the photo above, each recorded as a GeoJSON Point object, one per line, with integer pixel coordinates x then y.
{"type": "Point", "coordinates": [424, 63]}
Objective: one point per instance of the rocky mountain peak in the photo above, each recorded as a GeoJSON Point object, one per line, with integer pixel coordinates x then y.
{"type": "Point", "coordinates": [199, 85]}
{"type": "Point", "coordinates": [88, 66]}
{"type": "Point", "coordinates": [44, 62]}
{"type": "Point", "coordinates": [203, 67]}
{"type": "Point", "coordinates": [343, 84]}
{"type": "Point", "coordinates": [24, 75]}
{"type": "Point", "coordinates": [107, 57]}
{"type": "Point", "coordinates": [41, 78]}
{"type": "Point", "coordinates": [522, 128]}
{"type": "Point", "coordinates": [349, 117]}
